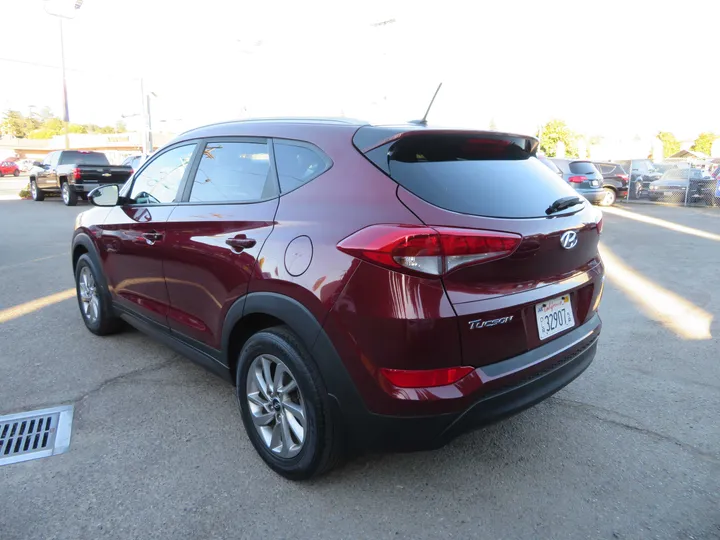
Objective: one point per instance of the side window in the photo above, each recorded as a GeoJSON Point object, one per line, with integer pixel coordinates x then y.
{"type": "Point", "coordinates": [606, 169]}
{"type": "Point", "coordinates": [234, 172]}
{"type": "Point", "coordinates": [158, 183]}
{"type": "Point", "coordinates": [298, 164]}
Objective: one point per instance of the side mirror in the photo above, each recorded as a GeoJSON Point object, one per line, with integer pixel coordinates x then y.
{"type": "Point", "coordinates": [107, 195]}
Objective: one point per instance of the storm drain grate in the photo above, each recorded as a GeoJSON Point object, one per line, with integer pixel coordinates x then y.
{"type": "Point", "coordinates": [35, 434]}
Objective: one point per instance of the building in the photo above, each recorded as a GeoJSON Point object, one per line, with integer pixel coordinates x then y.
{"type": "Point", "coordinates": [117, 146]}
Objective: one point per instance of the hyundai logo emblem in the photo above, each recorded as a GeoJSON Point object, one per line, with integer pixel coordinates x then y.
{"type": "Point", "coordinates": [569, 239]}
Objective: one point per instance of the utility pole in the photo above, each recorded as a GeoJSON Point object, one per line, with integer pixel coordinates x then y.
{"type": "Point", "coordinates": [66, 113]}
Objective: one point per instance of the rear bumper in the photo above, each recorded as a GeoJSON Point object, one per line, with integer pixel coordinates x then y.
{"type": "Point", "coordinates": [595, 196]}
{"type": "Point", "coordinates": [87, 188]}
{"type": "Point", "coordinates": [525, 380]}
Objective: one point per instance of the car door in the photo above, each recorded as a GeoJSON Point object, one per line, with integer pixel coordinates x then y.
{"type": "Point", "coordinates": [46, 176]}
{"type": "Point", "coordinates": [215, 236]}
{"type": "Point", "coordinates": [133, 239]}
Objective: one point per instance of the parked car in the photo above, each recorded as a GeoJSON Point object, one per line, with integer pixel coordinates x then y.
{"type": "Point", "coordinates": [362, 286]}
{"type": "Point", "coordinates": [642, 173]}
{"type": "Point", "coordinates": [615, 181]}
{"type": "Point", "coordinates": [134, 161]}
{"type": "Point", "coordinates": [584, 177]}
{"type": "Point", "coordinates": [9, 168]}
{"type": "Point", "coordinates": [674, 183]}
{"type": "Point", "coordinates": [73, 174]}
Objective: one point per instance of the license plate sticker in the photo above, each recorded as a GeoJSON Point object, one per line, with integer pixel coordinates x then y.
{"type": "Point", "coordinates": [554, 316]}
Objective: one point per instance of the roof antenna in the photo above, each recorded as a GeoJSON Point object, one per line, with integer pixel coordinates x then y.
{"type": "Point", "coordinates": [423, 122]}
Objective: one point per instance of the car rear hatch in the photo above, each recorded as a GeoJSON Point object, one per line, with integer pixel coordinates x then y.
{"type": "Point", "coordinates": [584, 175]}
{"type": "Point", "coordinates": [490, 192]}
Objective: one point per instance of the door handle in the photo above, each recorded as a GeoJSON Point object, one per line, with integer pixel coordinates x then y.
{"type": "Point", "coordinates": [240, 242]}
{"type": "Point", "coordinates": [152, 237]}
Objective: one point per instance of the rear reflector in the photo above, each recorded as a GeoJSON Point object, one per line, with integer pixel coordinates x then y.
{"type": "Point", "coordinates": [623, 177]}
{"type": "Point", "coordinates": [577, 179]}
{"type": "Point", "coordinates": [407, 378]}
{"type": "Point", "coordinates": [428, 251]}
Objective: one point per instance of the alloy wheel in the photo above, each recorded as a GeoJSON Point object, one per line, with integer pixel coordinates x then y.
{"type": "Point", "coordinates": [609, 199]}
{"type": "Point", "coordinates": [276, 406]}
{"type": "Point", "coordinates": [33, 190]}
{"type": "Point", "coordinates": [90, 300]}
{"type": "Point", "coordinates": [65, 193]}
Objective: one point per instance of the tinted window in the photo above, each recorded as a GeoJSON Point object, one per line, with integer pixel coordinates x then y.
{"type": "Point", "coordinates": [675, 174]}
{"type": "Point", "coordinates": [481, 176]}
{"type": "Point", "coordinates": [159, 182]}
{"type": "Point", "coordinates": [298, 164]}
{"type": "Point", "coordinates": [234, 171]}
{"type": "Point", "coordinates": [604, 168]}
{"type": "Point", "coordinates": [83, 158]}
{"type": "Point", "coordinates": [582, 167]}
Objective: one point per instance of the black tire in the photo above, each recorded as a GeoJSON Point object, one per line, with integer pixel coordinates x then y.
{"type": "Point", "coordinates": [16, 172]}
{"type": "Point", "coordinates": [69, 195]}
{"type": "Point", "coordinates": [106, 322]}
{"type": "Point", "coordinates": [321, 449]}
{"type": "Point", "coordinates": [37, 193]}
{"type": "Point", "coordinates": [2, 174]}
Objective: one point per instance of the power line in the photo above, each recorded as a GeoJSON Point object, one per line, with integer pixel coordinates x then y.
{"type": "Point", "coordinates": [36, 64]}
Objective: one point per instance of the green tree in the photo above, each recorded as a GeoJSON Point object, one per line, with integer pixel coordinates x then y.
{"type": "Point", "coordinates": [704, 142]}
{"type": "Point", "coordinates": [670, 144]}
{"type": "Point", "coordinates": [120, 126]}
{"type": "Point", "coordinates": [557, 131]}
{"type": "Point", "coordinates": [14, 124]}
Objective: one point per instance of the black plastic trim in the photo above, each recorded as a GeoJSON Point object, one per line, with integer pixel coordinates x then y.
{"type": "Point", "coordinates": [174, 341]}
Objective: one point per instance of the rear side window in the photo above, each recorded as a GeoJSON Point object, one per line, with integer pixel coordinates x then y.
{"type": "Point", "coordinates": [582, 167]}
{"type": "Point", "coordinates": [605, 169]}
{"type": "Point", "coordinates": [475, 174]}
{"type": "Point", "coordinates": [298, 163]}
{"type": "Point", "coordinates": [234, 172]}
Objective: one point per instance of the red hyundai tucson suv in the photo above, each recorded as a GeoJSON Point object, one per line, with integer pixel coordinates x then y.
{"type": "Point", "coordinates": [364, 287]}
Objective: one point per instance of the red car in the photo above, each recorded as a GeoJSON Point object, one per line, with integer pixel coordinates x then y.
{"type": "Point", "coordinates": [362, 286]}
{"type": "Point", "coordinates": [9, 167]}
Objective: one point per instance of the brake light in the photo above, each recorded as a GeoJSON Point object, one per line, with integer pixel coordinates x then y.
{"type": "Point", "coordinates": [416, 378]}
{"type": "Point", "coordinates": [577, 179]}
{"type": "Point", "coordinates": [624, 178]}
{"type": "Point", "coordinates": [428, 251]}
{"type": "Point", "coordinates": [77, 173]}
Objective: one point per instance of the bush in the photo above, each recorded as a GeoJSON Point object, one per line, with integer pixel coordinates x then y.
{"type": "Point", "coordinates": [25, 192]}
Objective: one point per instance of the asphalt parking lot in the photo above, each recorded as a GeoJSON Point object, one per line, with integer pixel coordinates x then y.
{"type": "Point", "coordinates": [629, 450]}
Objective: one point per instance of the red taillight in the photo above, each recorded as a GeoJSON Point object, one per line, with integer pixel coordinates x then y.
{"type": "Point", "coordinates": [415, 378]}
{"type": "Point", "coordinates": [577, 179]}
{"type": "Point", "coordinates": [623, 177]}
{"type": "Point", "coordinates": [77, 173]}
{"type": "Point", "coordinates": [428, 251]}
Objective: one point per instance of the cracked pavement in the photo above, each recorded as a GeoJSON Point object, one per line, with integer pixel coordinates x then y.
{"type": "Point", "coordinates": [629, 450]}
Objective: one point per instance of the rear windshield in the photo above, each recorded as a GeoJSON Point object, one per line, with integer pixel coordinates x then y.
{"type": "Point", "coordinates": [582, 167]}
{"type": "Point", "coordinates": [474, 174]}
{"type": "Point", "coordinates": [83, 158]}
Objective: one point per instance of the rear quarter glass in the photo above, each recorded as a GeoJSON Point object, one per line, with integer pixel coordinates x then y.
{"type": "Point", "coordinates": [472, 173]}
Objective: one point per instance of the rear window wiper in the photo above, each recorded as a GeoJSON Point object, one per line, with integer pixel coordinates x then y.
{"type": "Point", "coordinates": [562, 204]}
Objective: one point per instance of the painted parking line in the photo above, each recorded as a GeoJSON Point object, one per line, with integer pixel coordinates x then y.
{"type": "Point", "coordinates": [29, 307]}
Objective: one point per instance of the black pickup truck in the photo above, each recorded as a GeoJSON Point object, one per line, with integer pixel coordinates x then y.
{"type": "Point", "coordinates": [73, 174]}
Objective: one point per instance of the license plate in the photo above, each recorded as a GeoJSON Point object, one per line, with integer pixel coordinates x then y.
{"type": "Point", "coordinates": [667, 193]}
{"type": "Point", "coordinates": [554, 316]}
{"type": "Point", "coordinates": [593, 183]}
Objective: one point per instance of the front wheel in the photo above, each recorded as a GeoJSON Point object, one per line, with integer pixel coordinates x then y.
{"type": "Point", "coordinates": [36, 193]}
{"type": "Point", "coordinates": [94, 298]}
{"type": "Point", "coordinates": [16, 173]}
{"type": "Point", "coordinates": [285, 406]}
{"type": "Point", "coordinates": [610, 197]}
{"type": "Point", "coordinates": [69, 196]}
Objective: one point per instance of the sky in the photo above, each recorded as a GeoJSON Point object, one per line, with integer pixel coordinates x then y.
{"type": "Point", "coordinates": [607, 67]}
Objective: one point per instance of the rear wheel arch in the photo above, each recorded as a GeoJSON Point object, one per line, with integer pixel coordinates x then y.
{"type": "Point", "coordinates": [259, 311]}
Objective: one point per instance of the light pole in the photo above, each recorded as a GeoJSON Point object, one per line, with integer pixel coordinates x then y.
{"type": "Point", "coordinates": [66, 115]}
